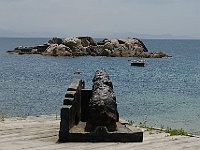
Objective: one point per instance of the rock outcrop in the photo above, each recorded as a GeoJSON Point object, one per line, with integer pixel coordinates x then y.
{"type": "Point", "coordinates": [83, 46]}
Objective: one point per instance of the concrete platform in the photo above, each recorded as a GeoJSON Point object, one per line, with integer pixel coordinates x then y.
{"type": "Point", "coordinates": [41, 133]}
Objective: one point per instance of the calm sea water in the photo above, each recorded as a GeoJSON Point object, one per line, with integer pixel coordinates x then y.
{"type": "Point", "coordinates": [166, 92]}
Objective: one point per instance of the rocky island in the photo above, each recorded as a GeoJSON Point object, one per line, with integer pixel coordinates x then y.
{"type": "Point", "coordinates": [83, 46]}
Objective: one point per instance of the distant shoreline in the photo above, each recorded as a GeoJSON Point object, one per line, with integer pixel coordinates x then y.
{"type": "Point", "coordinates": [30, 37]}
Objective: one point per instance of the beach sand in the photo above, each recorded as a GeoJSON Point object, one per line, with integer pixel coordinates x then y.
{"type": "Point", "coordinates": [41, 133]}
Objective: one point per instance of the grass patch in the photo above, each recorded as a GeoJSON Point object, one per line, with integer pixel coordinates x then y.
{"type": "Point", "coordinates": [174, 132]}
{"type": "Point", "coordinates": [130, 122]}
{"type": "Point", "coordinates": [2, 117]}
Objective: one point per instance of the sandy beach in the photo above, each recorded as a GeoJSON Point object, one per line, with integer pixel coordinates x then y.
{"type": "Point", "coordinates": [41, 132]}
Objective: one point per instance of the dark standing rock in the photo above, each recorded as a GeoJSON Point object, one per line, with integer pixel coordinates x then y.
{"type": "Point", "coordinates": [42, 48]}
{"type": "Point", "coordinates": [102, 109]}
{"type": "Point", "coordinates": [55, 40]}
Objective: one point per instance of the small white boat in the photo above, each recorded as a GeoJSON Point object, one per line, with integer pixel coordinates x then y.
{"type": "Point", "coordinates": [139, 63]}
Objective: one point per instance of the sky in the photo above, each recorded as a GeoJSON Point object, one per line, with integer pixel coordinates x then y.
{"type": "Point", "coordinates": [179, 18]}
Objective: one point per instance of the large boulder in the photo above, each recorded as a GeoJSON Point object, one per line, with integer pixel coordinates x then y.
{"type": "Point", "coordinates": [72, 43]}
{"type": "Point", "coordinates": [58, 50]}
{"type": "Point", "coordinates": [77, 46]}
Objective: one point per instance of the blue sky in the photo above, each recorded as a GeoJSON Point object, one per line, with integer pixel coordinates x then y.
{"type": "Point", "coordinates": [102, 18]}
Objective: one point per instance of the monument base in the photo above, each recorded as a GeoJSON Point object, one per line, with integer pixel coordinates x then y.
{"type": "Point", "coordinates": [101, 134]}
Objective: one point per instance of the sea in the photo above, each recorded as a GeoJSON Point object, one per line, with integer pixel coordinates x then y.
{"type": "Point", "coordinates": [164, 93]}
